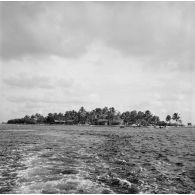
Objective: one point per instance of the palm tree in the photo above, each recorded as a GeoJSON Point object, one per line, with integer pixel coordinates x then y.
{"type": "Point", "coordinates": [168, 118]}
{"type": "Point", "coordinates": [133, 116]}
{"type": "Point", "coordinates": [82, 114]}
{"type": "Point", "coordinates": [155, 120]}
{"type": "Point", "coordinates": [126, 117]}
{"type": "Point", "coordinates": [140, 115]}
{"type": "Point", "coordinates": [111, 114]}
{"type": "Point", "coordinates": [176, 117]}
{"type": "Point", "coordinates": [50, 118]}
{"type": "Point", "coordinates": [148, 117]}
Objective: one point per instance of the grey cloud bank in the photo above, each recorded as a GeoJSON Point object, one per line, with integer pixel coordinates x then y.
{"type": "Point", "coordinates": [27, 81]}
{"type": "Point", "coordinates": [163, 30]}
{"type": "Point", "coordinates": [23, 81]}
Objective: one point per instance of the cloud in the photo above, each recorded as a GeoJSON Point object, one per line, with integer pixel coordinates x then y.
{"type": "Point", "coordinates": [29, 82]}
{"type": "Point", "coordinates": [21, 99]}
{"type": "Point", "coordinates": [37, 30]}
{"type": "Point", "coordinates": [153, 31]}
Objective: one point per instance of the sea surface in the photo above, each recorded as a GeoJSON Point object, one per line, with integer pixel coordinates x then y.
{"type": "Point", "coordinates": [83, 159]}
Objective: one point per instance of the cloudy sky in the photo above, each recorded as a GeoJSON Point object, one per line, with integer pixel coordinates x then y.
{"type": "Point", "coordinates": [56, 56]}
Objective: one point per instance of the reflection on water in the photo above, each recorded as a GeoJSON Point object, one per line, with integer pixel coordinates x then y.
{"type": "Point", "coordinates": [72, 159]}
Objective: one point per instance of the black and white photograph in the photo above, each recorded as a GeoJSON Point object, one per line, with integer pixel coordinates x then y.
{"type": "Point", "coordinates": [97, 97]}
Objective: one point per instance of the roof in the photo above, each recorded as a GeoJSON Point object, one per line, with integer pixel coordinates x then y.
{"type": "Point", "coordinates": [118, 120]}
{"type": "Point", "coordinates": [69, 120]}
{"type": "Point", "coordinates": [102, 120]}
{"type": "Point", "coordinates": [59, 121]}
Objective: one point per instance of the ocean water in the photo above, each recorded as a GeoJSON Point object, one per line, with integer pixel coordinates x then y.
{"type": "Point", "coordinates": [83, 159]}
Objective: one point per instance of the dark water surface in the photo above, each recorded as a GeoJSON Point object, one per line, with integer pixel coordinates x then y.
{"type": "Point", "coordinates": [83, 159]}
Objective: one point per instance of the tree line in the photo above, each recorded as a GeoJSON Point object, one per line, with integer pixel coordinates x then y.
{"type": "Point", "coordinates": [100, 116]}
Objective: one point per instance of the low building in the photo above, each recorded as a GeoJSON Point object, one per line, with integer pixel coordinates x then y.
{"type": "Point", "coordinates": [59, 122]}
{"type": "Point", "coordinates": [69, 122]}
{"type": "Point", "coordinates": [102, 122]}
{"type": "Point", "coordinates": [117, 122]}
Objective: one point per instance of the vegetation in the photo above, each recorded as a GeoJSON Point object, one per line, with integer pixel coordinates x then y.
{"type": "Point", "coordinates": [168, 118]}
{"type": "Point", "coordinates": [100, 116]}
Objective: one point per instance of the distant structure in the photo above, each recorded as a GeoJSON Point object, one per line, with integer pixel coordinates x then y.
{"type": "Point", "coordinates": [67, 122]}
{"type": "Point", "coordinates": [189, 124]}
{"type": "Point", "coordinates": [102, 122]}
{"type": "Point", "coordinates": [59, 122]}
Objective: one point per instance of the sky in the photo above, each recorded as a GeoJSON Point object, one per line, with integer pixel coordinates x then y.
{"type": "Point", "coordinates": [58, 56]}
